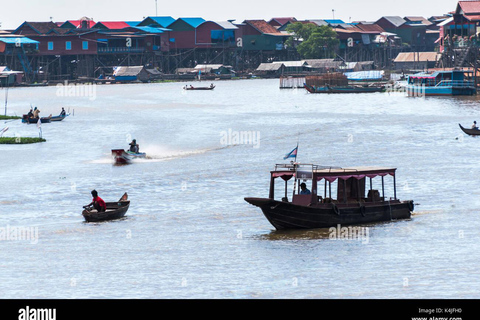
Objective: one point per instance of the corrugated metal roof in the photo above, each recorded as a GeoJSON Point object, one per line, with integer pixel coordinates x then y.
{"type": "Point", "coordinates": [14, 40]}
{"type": "Point", "coordinates": [164, 21]}
{"type": "Point", "coordinates": [151, 29]}
{"type": "Point", "coordinates": [113, 24]}
{"type": "Point", "coordinates": [395, 20]}
{"type": "Point", "coordinates": [127, 71]}
{"type": "Point", "coordinates": [269, 66]}
{"type": "Point", "coordinates": [470, 7]}
{"type": "Point", "coordinates": [226, 25]}
{"type": "Point", "coordinates": [417, 56]}
{"type": "Point", "coordinates": [194, 22]}
{"type": "Point", "coordinates": [263, 27]}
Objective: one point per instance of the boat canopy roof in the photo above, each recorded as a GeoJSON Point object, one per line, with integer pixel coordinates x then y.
{"type": "Point", "coordinates": [304, 171]}
{"type": "Point", "coordinates": [433, 75]}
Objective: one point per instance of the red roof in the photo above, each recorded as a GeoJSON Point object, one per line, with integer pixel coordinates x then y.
{"type": "Point", "coordinates": [114, 24]}
{"type": "Point", "coordinates": [263, 27]}
{"type": "Point", "coordinates": [470, 7]}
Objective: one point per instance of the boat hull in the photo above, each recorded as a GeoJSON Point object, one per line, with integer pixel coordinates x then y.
{"type": "Point", "coordinates": [339, 89]}
{"type": "Point", "coordinates": [115, 210]}
{"type": "Point", "coordinates": [35, 120]}
{"type": "Point", "coordinates": [471, 132]}
{"type": "Point", "coordinates": [200, 88]}
{"type": "Point", "coordinates": [122, 157]}
{"type": "Point", "coordinates": [58, 118]}
{"type": "Point", "coordinates": [285, 215]}
{"type": "Point", "coordinates": [420, 91]}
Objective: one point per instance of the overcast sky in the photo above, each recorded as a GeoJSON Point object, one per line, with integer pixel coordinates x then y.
{"type": "Point", "coordinates": [13, 13]}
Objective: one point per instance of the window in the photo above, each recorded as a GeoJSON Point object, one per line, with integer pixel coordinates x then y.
{"type": "Point", "coordinates": [50, 45]}
{"type": "Point", "coordinates": [84, 45]}
{"type": "Point", "coordinates": [68, 45]}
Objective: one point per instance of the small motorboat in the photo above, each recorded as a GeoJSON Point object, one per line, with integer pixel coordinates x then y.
{"type": "Point", "coordinates": [115, 210]}
{"type": "Point", "coordinates": [471, 132]}
{"type": "Point", "coordinates": [125, 157]}
{"type": "Point", "coordinates": [26, 119]}
{"type": "Point", "coordinates": [199, 88]}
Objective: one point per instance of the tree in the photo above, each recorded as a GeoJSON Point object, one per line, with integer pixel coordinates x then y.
{"type": "Point", "coordinates": [312, 41]}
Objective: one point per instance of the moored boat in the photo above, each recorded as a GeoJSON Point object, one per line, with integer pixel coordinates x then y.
{"type": "Point", "coordinates": [472, 132]}
{"type": "Point", "coordinates": [319, 209]}
{"type": "Point", "coordinates": [115, 210]}
{"type": "Point", "coordinates": [125, 157]}
{"type": "Point", "coordinates": [343, 89]}
{"type": "Point", "coordinates": [441, 83]}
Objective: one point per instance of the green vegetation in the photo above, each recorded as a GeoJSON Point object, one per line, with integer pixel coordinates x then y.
{"type": "Point", "coordinates": [8, 117]}
{"type": "Point", "coordinates": [20, 140]}
{"type": "Point", "coordinates": [312, 41]}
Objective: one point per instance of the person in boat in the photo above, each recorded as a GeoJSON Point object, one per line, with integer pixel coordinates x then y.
{"type": "Point", "coordinates": [211, 85]}
{"type": "Point", "coordinates": [97, 202]}
{"type": "Point", "coordinates": [134, 147]}
{"type": "Point", "coordinates": [191, 86]}
{"type": "Point", "coordinates": [30, 113]}
{"type": "Point", "coordinates": [36, 112]}
{"type": "Point", "coordinates": [63, 113]}
{"type": "Point", "coordinates": [304, 189]}
{"type": "Point", "coordinates": [474, 126]}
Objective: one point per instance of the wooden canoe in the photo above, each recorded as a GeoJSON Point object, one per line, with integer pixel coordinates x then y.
{"type": "Point", "coordinates": [26, 119]}
{"type": "Point", "coordinates": [59, 118]}
{"type": "Point", "coordinates": [472, 132]}
{"type": "Point", "coordinates": [199, 88]}
{"type": "Point", "coordinates": [115, 210]}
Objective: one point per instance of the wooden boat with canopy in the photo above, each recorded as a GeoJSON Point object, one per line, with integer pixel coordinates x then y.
{"type": "Point", "coordinates": [320, 209]}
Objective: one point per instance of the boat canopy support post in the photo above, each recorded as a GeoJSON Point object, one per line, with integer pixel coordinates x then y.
{"type": "Point", "coordinates": [383, 189]}
{"type": "Point", "coordinates": [394, 188]}
{"type": "Point", "coordinates": [272, 188]}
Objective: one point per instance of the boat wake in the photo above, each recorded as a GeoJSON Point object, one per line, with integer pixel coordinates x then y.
{"type": "Point", "coordinates": [160, 153]}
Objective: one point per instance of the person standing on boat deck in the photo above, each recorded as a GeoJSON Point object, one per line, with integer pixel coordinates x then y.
{"type": "Point", "coordinates": [304, 190]}
{"type": "Point", "coordinates": [134, 147]}
{"type": "Point", "coordinates": [36, 113]}
{"type": "Point", "coordinates": [474, 126]}
{"type": "Point", "coordinates": [97, 202]}
{"type": "Point", "coordinates": [63, 113]}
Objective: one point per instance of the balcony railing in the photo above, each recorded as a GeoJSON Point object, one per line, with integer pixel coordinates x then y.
{"type": "Point", "coordinates": [456, 83]}
{"type": "Point", "coordinates": [120, 50]}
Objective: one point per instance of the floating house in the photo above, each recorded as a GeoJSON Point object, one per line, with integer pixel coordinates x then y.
{"type": "Point", "coordinates": [131, 74]}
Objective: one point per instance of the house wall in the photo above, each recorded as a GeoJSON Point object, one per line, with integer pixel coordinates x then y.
{"type": "Point", "coordinates": [59, 44]}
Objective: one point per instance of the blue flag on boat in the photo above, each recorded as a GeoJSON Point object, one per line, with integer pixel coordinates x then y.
{"type": "Point", "coordinates": [291, 154]}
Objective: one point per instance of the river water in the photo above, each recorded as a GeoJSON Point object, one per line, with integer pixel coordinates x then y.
{"type": "Point", "coordinates": [189, 233]}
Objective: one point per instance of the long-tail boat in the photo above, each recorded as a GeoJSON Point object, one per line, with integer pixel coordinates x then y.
{"type": "Point", "coordinates": [320, 208]}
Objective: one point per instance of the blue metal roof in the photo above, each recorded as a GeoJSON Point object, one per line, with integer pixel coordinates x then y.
{"type": "Point", "coordinates": [334, 21]}
{"type": "Point", "coordinates": [133, 23]}
{"type": "Point", "coordinates": [152, 29]}
{"type": "Point", "coordinates": [14, 40]}
{"type": "Point", "coordinates": [163, 21]}
{"type": "Point", "coordinates": [194, 22]}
